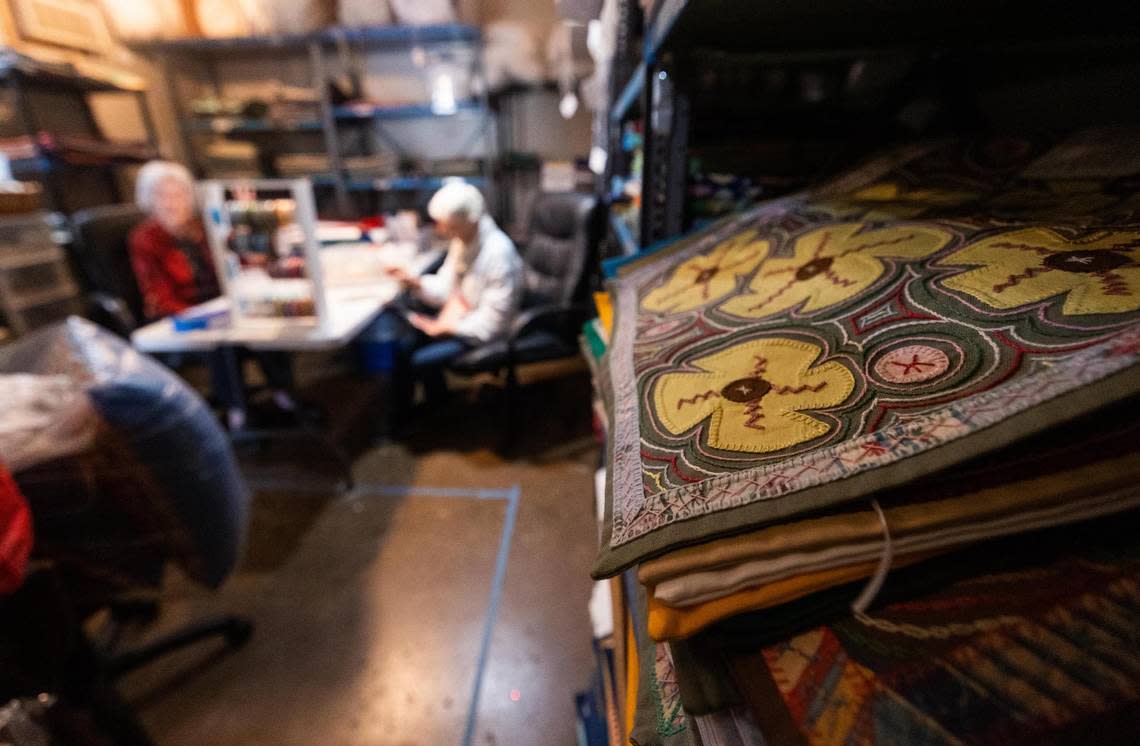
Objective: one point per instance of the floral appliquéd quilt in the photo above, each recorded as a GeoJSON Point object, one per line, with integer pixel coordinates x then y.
{"type": "Point", "coordinates": [817, 348]}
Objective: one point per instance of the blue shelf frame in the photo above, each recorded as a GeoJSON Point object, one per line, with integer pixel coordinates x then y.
{"type": "Point", "coordinates": [346, 113]}
{"type": "Point", "coordinates": [409, 111]}
{"type": "Point", "coordinates": [632, 91]}
{"type": "Point", "coordinates": [372, 37]}
{"type": "Point", "coordinates": [250, 126]}
{"type": "Point", "coordinates": [665, 15]}
{"type": "Point", "coordinates": [624, 235]}
{"type": "Point", "coordinates": [396, 183]}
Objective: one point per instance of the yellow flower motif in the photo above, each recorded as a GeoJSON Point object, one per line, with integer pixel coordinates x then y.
{"type": "Point", "coordinates": [1063, 201]}
{"type": "Point", "coordinates": [753, 395]}
{"type": "Point", "coordinates": [1097, 274]}
{"type": "Point", "coordinates": [891, 192]}
{"type": "Point", "coordinates": [708, 277]}
{"type": "Point", "coordinates": [885, 201]}
{"type": "Point", "coordinates": [831, 265]}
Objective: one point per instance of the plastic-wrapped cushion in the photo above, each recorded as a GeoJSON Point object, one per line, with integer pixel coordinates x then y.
{"type": "Point", "coordinates": [43, 418]}
{"type": "Point", "coordinates": [165, 424]}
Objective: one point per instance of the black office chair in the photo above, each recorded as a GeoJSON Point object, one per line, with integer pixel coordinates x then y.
{"type": "Point", "coordinates": [561, 236]}
{"type": "Point", "coordinates": [109, 519]}
{"type": "Point", "coordinates": [101, 254]}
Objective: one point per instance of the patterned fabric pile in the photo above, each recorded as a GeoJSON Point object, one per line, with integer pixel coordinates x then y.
{"type": "Point", "coordinates": [873, 456]}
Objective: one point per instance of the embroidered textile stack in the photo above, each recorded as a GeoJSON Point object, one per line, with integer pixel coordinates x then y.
{"type": "Point", "coordinates": [873, 456]}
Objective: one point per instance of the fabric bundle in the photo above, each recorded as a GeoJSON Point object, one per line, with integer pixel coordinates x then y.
{"type": "Point", "coordinates": [837, 421]}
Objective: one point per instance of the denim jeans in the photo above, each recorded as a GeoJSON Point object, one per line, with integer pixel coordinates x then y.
{"type": "Point", "coordinates": [408, 355]}
{"type": "Point", "coordinates": [226, 379]}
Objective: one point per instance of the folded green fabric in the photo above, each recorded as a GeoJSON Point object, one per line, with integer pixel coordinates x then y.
{"type": "Point", "coordinates": [659, 718]}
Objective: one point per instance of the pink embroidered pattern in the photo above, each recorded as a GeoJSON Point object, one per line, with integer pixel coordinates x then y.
{"type": "Point", "coordinates": [912, 364]}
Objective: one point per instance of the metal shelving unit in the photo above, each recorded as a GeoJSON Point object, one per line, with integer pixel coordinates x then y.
{"type": "Point", "coordinates": [627, 85]}
{"type": "Point", "coordinates": [390, 37]}
{"type": "Point", "coordinates": [36, 283]}
{"type": "Point", "coordinates": [659, 84]}
{"type": "Point", "coordinates": [400, 183]}
{"type": "Point", "coordinates": [333, 122]}
{"type": "Point", "coordinates": [51, 136]}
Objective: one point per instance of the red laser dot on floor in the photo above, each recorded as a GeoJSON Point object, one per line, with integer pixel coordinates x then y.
{"type": "Point", "coordinates": [516, 695]}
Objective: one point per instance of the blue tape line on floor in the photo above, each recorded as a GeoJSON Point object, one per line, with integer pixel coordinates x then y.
{"type": "Point", "coordinates": [395, 490]}
{"type": "Point", "coordinates": [511, 496]}
{"type": "Point", "coordinates": [492, 611]}
{"type": "Point", "coordinates": [377, 490]}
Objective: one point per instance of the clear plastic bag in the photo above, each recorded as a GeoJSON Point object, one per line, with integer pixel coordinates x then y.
{"type": "Point", "coordinates": [168, 428]}
{"type": "Point", "coordinates": [45, 417]}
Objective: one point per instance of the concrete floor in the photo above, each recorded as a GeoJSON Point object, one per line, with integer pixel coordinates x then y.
{"type": "Point", "coordinates": [370, 607]}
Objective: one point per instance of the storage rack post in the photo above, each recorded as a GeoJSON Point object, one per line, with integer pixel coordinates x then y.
{"type": "Point", "coordinates": [329, 128]}
{"type": "Point", "coordinates": [189, 152]}
{"type": "Point", "coordinates": [663, 172]}
{"type": "Point", "coordinates": [490, 144]}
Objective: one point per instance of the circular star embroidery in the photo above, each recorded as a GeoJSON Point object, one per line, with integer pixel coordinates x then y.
{"type": "Point", "coordinates": [746, 390]}
{"type": "Point", "coordinates": [912, 364]}
{"type": "Point", "coordinates": [1084, 261]}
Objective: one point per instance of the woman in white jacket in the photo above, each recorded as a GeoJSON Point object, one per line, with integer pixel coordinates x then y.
{"type": "Point", "coordinates": [475, 295]}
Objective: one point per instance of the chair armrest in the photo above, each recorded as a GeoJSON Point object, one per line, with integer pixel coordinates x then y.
{"type": "Point", "coordinates": [112, 312]}
{"type": "Point", "coordinates": [554, 316]}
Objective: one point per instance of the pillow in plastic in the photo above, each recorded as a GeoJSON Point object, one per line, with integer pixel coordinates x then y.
{"type": "Point", "coordinates": [168, 427]}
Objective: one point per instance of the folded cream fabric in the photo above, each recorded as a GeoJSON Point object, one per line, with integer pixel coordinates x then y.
{"type": "Point", "coordinates": [673, 623]}
{"type": "Point", "coordinates": [696, 588]}
{"type": "Point", "coordinates": [775, 549]}
{"type": "Point", "coordinates": [667, 622]}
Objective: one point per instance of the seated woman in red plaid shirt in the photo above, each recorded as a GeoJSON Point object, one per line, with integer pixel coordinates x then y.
{"type": "Point", "coordinates": [174, 270]}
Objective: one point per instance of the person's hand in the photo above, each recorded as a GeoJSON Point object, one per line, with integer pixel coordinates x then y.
{"type": "Point", "coordinates": [429, 326]}
{"type": "Point", "coordinates": [252, 259]}
{"type": "Point", "coordinates": [409, 282]}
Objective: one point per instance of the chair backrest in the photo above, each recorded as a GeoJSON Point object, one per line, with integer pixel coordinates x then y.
{"type": "Point", "coordinates": [559, 238]}
{"type": "Point", "coordinates": [102, 253]}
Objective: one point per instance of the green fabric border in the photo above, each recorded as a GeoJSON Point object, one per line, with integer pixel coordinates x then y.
{"type": "Point", "coordinates": [1070, 405]}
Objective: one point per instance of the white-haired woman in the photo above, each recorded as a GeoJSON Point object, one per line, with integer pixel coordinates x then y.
{"type": "Point", "coordinates": [174, 271]}
{"type": "Point", "coordinates": [472, 299]}
{"type": "Point", "coordinates": [168, 250]}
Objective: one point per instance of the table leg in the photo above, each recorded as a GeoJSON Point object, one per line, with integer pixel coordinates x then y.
{"type": "Point", "coordinates": [230, 375]}
{"type": "Point", "coordinates": [228, 379]}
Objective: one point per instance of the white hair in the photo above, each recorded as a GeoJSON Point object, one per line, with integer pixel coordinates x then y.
{"type": "Point", "coordinates": [456, 199]}
{"type": "Point", "coordinates": [153, 174]}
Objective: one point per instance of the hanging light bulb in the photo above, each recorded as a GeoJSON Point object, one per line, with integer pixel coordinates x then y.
{"type": "Point", "coordinates": [443, 93]}
{"type": "Point", "coordinates": [568, 106]}
{"type": "Point", "coordinates": [598, 160]}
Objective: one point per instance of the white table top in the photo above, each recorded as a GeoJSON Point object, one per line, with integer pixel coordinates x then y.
{"type": "Point", "coordinates": [350, 310]}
